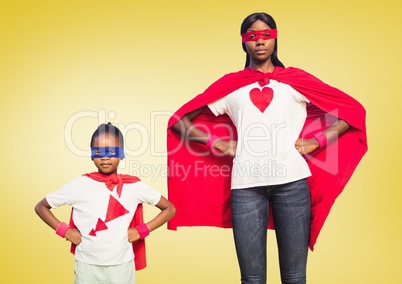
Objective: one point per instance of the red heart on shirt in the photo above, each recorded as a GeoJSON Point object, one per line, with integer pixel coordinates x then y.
{"type": "Point", "coordinates": [261, 98]}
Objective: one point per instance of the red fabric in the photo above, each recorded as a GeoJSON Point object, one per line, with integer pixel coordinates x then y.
{"type": "Point", "coordinates": [256, 35]}
{"type": "Point", "coordinates": [115, 209]}
{"type": "Point", "coordinates": [205, 200]}
{"type": "Point", "coordinates": [111, 181]}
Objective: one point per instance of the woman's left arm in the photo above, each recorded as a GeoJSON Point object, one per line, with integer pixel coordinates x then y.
{"type": "Point", "coordinates": [306, 146]}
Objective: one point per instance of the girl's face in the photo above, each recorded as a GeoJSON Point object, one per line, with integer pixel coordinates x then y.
{"type": "Point", "coordinates": [262, 49]}
{"type": "Point", "coordinates": [106, 165]}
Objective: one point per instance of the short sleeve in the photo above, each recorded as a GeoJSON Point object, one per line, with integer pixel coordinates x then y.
{"type": "Point", "coordinates": [299, 97]}
{"type": "Point", "coordinates": [219, 106]}
{"type": "Point", "coordinates": [147, 194]}
{"type": "Point", "coordinates": [62, 196]}
{"type": "Point", "coordinates": [304, 99]}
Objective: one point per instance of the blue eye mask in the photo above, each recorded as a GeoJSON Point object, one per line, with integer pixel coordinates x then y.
{"type": "Point", "coordinates": [109, 152]}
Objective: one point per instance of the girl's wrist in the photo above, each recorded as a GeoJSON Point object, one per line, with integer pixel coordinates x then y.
{"type": "Point", "coordinates": [62, 229]}
{"type": "Point", "coordinates": [143, 230]}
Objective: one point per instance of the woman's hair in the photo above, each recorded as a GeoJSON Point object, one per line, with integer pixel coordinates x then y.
{"type": "Point", "coordinates": [247, 22]}
{"type": "Point", "coordinates": [110, 130]}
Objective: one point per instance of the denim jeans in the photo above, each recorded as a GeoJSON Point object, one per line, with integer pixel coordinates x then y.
{"type": "Point", "coordinates": [291, 213]}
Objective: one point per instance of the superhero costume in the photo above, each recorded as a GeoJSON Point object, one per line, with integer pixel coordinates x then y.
{"type": "Point", "coordinates": [205, 200]}
{"type": "Point", "coordinates": [110, 182]}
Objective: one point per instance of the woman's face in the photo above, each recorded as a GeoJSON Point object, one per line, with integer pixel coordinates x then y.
{"type": "Point", "coordinates": [261, 49]}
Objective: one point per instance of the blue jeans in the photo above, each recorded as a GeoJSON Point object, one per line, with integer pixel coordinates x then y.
{"type": "Point", "coordinates": [291, 213]}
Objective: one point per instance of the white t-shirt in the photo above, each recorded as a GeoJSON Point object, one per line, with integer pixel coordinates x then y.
{"type": "Point", "coordinates": [96, 206]}
{"type": "Point", "coordinates": [266, 154]}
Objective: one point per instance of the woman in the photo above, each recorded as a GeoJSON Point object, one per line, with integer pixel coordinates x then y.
{"type": "Point", "coordinates": [280, 157]}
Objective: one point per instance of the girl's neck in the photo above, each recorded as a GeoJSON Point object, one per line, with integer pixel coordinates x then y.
{"type": "Point", "coordinates": [264, 67]}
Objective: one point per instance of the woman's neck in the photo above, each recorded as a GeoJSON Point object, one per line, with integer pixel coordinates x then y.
{"type": "Point", "coordinates": [264, 67]}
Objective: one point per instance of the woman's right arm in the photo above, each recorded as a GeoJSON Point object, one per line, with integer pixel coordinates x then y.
{"type": "Point", "coordinates": [186, 128]}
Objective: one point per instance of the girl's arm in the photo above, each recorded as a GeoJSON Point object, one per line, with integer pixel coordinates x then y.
{"type": "Point", "coordinates": [43, 211]}
{"type": "Point", "coordinates": [306, 146]}
{"type": "Point", "coordinates": [185, 127]}
{"type": "Point", "coordinates": [167, 212]}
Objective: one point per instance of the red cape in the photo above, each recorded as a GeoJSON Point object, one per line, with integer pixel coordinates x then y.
{"type": "Point", "coordinates": [199, 185]}
{"type": "Point", "coordinates": [111, 181]}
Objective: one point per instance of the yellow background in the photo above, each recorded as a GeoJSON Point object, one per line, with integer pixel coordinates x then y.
{"type": "Point", "coordinates": [125, 61]}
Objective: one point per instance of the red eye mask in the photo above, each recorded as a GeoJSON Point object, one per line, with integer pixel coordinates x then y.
{"type": "Point", "coordinates": [256, 35]}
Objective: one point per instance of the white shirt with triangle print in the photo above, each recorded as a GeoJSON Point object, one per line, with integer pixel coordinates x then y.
{"type": "Point", "coordinates": [102, 217]}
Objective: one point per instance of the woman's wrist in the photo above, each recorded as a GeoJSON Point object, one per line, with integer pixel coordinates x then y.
{"type": "Point", "coordinates": [321, 139]}
{"type": "Point", "coordinates": [212, 141]}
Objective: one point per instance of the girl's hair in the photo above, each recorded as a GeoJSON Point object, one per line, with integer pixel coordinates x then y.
{"type": "Point", "coordinates": [247, 22]}
{"type": "Point", "coordinates": [110, 130]}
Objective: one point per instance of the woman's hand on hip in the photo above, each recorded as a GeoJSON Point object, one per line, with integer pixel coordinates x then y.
{"type": "Point", "coordinates": [226, 147]}
{"type": "Point", "coordinates": [306, 146]}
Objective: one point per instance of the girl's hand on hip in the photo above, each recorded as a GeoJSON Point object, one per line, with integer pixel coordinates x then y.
{"type": "Point", "coordinates": [133, 235]}
{"type": "Point", "coordinates": [73, 235]}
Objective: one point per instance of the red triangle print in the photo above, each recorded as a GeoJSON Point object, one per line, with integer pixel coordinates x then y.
{"type": "Point", "coordinates": [92, 233]}
{"type": "Point", "coordinates": [100, 226]}
{"type": "Point", "coordinates": [115, 209]}
{"type": "Point", "coordinates": [261, 98]}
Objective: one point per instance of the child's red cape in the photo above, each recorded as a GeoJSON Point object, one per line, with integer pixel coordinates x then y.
{"type": "Point", "coordinates": [199, 185]}
{"type": "Point", "coordinates": [111, 181]}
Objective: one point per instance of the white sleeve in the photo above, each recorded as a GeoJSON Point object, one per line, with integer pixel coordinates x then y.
{"type": "Point", "coordinates": [304, 99]}
{"type": "Point", "coordinates": [219, 106]}
{"type": "Point", "coordinates": [299, 97]}
{"type": "Point", "coordinates": [146, 194]}
{"type": "Point", "coordinates": [62, 196]}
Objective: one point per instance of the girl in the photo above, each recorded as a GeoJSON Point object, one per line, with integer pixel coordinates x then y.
{"type": "Point", "coordinates": [280, 157]}
{"type": "Point", "coordinates": [106, 229]}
